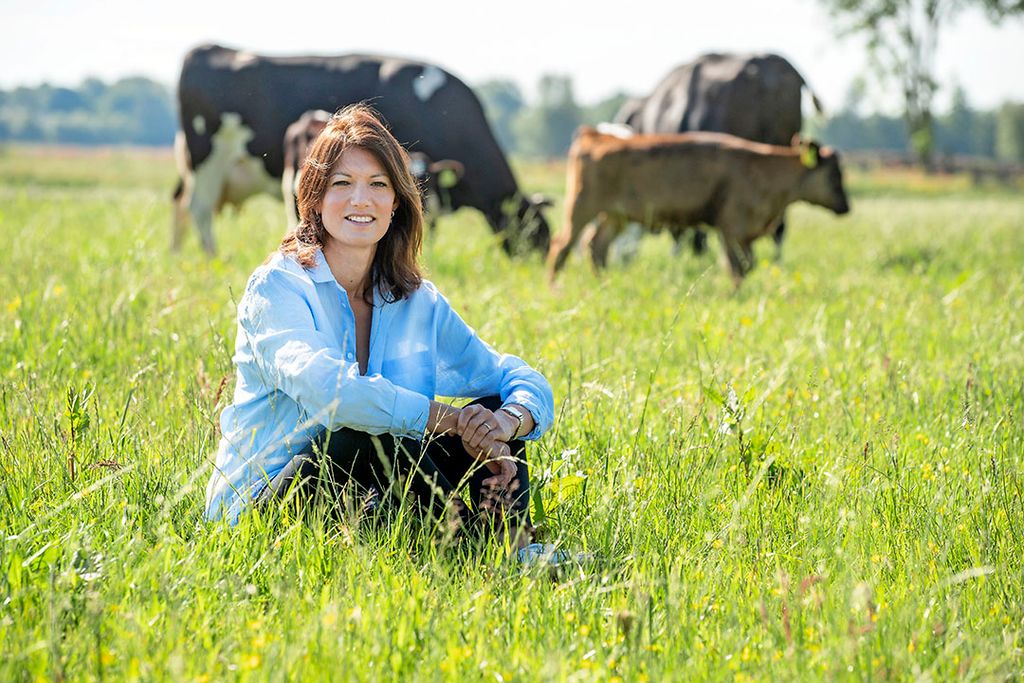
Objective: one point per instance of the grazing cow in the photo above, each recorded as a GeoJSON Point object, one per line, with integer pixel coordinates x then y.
{"type": "Point", "coordinates": [234, 108]}
{"type": "Point", "coordinates": [756, 97]}
{"type": "Point", "coordinates": [678, 181]}
{"type": "Point", "coordinates": [436, 180]}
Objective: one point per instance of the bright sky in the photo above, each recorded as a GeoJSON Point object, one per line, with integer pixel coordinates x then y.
{"type": "Point", "coordinates": [605, 48]}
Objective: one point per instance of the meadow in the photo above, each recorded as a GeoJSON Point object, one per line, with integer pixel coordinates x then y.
{"type": "Point", "coordinates": [815, 477]}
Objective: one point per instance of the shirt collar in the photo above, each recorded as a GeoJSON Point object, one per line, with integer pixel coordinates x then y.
{"type": "Point", "coordinates": [321, 272]}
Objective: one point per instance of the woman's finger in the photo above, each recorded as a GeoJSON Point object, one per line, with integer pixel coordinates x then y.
{"type": "Point", "coordinates": [501, 477]}
{"type": "Point", "coordinates": [471, 415]}
{"type": "Point", "coordinates": [478, 428]}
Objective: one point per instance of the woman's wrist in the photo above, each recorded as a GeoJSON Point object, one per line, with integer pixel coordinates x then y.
{"type": "Point", "coordinates": [507, 424]}
{"type": "Point", "coordinates": [521, 417]}
{"type": "Point", "coordinates": [443, 418]}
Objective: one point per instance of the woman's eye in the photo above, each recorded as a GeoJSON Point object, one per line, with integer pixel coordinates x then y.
{"type": "Point", "coordinates": [339, 183]}
{"type": "Point", "coordinates": [380, 183]}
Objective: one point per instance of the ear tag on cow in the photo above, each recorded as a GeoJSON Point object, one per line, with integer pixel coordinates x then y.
{"type": "Point", "coordinates": [809, 156]}
{"type": "Point", "coordinates": [447, 178]}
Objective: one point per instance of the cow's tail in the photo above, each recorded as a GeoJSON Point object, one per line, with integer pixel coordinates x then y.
{"type": "Point", "coordinates": [818, 107]}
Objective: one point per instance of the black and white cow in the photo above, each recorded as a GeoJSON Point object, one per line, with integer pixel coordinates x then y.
{"type": "Point", "coordinates": [234, 108]}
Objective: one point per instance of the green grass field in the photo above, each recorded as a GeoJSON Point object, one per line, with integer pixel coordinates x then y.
{"type": "Point", "coordinates": [817, 476]}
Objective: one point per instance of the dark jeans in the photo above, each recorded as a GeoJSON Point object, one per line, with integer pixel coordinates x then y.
{"type": "Point", "coordinates": [379, 469]}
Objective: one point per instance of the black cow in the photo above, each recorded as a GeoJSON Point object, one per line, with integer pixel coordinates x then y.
{"type": "Point", "coordinates": [751, 96]}
{"type": "Point", "coordinates": [234, 108]}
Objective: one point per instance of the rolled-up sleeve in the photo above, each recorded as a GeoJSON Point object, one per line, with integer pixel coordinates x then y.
{"type": "Point", "coordinates": [308, 365]}
{"type": "Point", "coordinates": [469, 366]}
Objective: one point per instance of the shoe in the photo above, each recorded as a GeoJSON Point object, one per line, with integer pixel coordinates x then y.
{"type": "Point", "coordinates": [542, 554]}
{"type": "Point", "coordinates": [549, 555]}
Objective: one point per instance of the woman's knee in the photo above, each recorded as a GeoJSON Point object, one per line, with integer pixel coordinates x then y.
{"type": "Point", "coordinates": [492, 403]}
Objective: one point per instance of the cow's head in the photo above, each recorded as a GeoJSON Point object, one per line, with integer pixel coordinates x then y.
{"type": "Point", "coordinates": [436, 179]}
{"type": "Point", "coordinates": [522, 224]}
{"type": "Point", "coordinates": [822, 183]}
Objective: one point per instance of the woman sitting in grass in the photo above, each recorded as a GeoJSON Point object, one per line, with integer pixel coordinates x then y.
{"type": "Point", "coordinates": [342, 347]}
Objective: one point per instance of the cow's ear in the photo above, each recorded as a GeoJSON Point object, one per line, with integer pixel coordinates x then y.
{"type": "Point", "coordinates": [809, 154]}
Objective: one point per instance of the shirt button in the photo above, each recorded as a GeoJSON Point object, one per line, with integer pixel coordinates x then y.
{"type": "Point", "coordinates": [348, 356]}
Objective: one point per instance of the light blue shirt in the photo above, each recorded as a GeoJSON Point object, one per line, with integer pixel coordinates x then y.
{"type": "Point", "coordinates": [297, 374]}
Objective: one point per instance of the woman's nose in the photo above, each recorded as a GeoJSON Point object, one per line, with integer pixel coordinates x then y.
{"type": "Point", "coordinates": [360, 195]}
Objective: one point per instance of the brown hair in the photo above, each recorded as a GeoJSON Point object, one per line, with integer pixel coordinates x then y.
{"type": "Point", "coordinates": [396, 269]}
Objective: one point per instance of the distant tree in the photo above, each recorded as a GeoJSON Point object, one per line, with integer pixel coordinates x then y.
{"type": "Point", "coordinates": [28, 98]}
{"type": "Point", "coordinates": [146, 107]}
{"type": "Point", "coordinates": [30, 131]}
{"type": "Point", "coordinates": [903, 37]}
{"type": "Point", "coordinates": [502, 102]}
{"type": "Point", "coordinates": [964, 129]}
{"type": "Point", "coordinates": [132, 111]}
{"type": "Point", "coordinates": [66, 100]}
{"type": "Point", "coordinates": [92, 89]}
{"type": "Point", "coordinates": [954, 133]}
{"type": "Point", "coordinates": [1010, 132]}
{"type": "Point", "coordinates": [546, 130]}
{"type": "Point", "coordinates": [855, 100]}
{"type": "Point", "coordinates": [851, 128]}
{"type": "Point", "coordinates": [604, 110]}
{"type": "Point", "coordinates": [984, 133]}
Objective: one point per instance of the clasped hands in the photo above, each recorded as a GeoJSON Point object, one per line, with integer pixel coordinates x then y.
{"type": "Point", "coordinates": [485, 435]}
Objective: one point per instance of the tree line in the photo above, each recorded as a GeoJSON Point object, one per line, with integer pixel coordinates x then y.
{"type": "Point", "coordinates": [131, 111]}
{"type": "Point", "coordinates": [140, 111]}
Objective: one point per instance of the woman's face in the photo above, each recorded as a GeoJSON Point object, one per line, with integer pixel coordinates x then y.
{"type": "Point", "coordinates": [356, 209]}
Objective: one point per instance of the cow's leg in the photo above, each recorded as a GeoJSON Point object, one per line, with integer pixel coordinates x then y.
{"type": "Point", "coordinates": [778, 237]}
{"type": "Point", "coordinates": [700, 241]}
{"type": "Point", "coordinates": [738, 257]}
{"type": "Point", "coordinates": [607, 230]}
{"type": "Point", "coordinates": [562, 243]}
{"type": "Point", "coordinates": [179, 222]}
{"type": "Point", "coordinates": [747, 249]}
{"type": "Point", "coordinates": [204, 201]}
{"type": "Point", "coordinates": [182, 192]}
{"type": "Point", "coordinates": [626, 245]}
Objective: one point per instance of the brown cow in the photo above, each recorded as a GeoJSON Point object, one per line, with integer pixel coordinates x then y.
{"type": "Point", "coordinates": [677, 181]}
